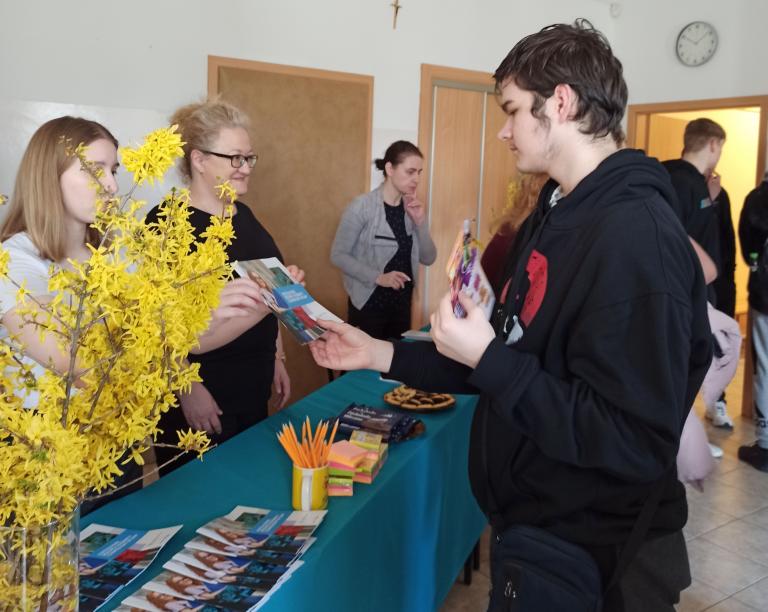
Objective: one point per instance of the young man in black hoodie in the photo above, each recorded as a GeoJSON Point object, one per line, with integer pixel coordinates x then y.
{"type": "Point", "coordinates": [700, 208]}
{"type": "Point", "coordinates": [600, 341]}
{"type": "Point", "coordinates": [703, 142]}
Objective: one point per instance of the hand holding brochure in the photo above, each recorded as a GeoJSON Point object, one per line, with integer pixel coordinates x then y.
{"type": "Point", "coordinates": [290, 301]}
{"type": "Point", "coordinates": [466, 274]}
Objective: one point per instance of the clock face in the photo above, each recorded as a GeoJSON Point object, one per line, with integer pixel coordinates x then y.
{"type": "Point", "coordinates": [696, 43]}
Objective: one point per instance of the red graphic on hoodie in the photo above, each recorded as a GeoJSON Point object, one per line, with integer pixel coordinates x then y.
{"type": "Point", "coordinates": [537, 277]}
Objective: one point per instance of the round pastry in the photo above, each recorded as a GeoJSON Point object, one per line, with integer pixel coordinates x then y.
{"type": "Point", "coordinates": [412, 399]}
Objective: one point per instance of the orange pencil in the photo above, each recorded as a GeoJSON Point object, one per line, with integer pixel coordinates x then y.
{"type": "Point", "coordinates": [302, 458]}
{"type": "Point", "coordinates": [287, 447]}
{"type": "Point", "coordinates": [319, 439]}
{"type": "Point", "coordinates": [331, 439]}
{"type": "Point", "coordinates": [309, 432]}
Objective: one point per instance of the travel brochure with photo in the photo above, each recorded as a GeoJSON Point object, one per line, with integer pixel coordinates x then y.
{"type": "Point", "coordinates": [466, 275]}
{"type": "Point", "coordinates": [111, 557]}
{"type": "Point", "coordinates": [235, 563]}
{"type": "Point", "coordinates": [290, 301]}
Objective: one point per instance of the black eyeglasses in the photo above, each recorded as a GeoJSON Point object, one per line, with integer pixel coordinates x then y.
{"type": "Point", "coordinates": [236, 160]}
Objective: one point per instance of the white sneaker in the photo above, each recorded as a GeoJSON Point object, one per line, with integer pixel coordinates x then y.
{"type": "Point", "coordinates": [716, 451]}
{"type": "Point", "coordinates": [719, 415]}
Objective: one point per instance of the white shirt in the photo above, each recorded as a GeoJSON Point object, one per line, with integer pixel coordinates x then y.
{"type": "Point", "coordinates": [26, 266]}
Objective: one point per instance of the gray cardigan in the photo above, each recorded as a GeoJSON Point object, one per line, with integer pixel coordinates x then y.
{"type": "Point", "coordinates": [362, 257]}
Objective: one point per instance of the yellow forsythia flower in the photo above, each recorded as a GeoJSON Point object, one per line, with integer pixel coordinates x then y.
{"type": "Point", "coordinates": [153, 159]}
{"type": "Point", "coordinates": [132, 311]}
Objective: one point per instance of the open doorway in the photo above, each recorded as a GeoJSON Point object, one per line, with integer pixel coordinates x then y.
{"type": "Point", "coordinates": [658, 129]}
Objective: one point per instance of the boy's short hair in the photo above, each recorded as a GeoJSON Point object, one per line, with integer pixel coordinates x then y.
{"type": "Point", "coordinates": [699, 132]}
{"type": "Point", "coordinates": [576, 55]}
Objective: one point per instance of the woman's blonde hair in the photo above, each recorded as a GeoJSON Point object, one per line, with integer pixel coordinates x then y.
{"type": "Point", "coordinates": [200, 123]}
{"type": "Point", "coordinates": [37, 206]}
{"type": "Point", "coordinates": [522, 195]}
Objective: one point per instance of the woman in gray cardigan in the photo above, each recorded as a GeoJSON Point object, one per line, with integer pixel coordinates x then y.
{"type": "Point", "coordinates": [381, 240]}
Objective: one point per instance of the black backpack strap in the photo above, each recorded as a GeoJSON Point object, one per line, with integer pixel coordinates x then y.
{"type": "Point", "coordinates": [638, 533]}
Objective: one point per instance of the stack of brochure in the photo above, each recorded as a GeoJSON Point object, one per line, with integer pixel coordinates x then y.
{"type": "Point", "coordinates": [236, 562]}
{"type": "Point", "coordinates": [111, 557]}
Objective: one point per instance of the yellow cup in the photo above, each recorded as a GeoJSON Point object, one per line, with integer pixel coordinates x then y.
{"type": "Point", "coordinates": [310, 488]}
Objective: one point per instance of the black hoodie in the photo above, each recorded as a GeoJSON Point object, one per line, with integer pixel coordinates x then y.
{"type": "Point", "coordinates": [753, 234]}
{"type": "Point", "coordinates": [581, 418]}
{"type": "Point", "coordinates": [695, 209]}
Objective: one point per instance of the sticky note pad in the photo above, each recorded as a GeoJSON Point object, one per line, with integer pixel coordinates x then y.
{"type": "Point", "coordinates": [364, 439]}
{"type": "Point", "coordinates": [346, 453]}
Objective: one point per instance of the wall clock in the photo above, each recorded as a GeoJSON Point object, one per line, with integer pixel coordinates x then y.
{"type": "Point", "coordinates": [696, 43]}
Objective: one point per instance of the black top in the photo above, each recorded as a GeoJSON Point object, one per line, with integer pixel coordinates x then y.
{"type": "Point", "coordinates": [753, 233]}
{"type": "Point", "coordinates": [252, 241]}
{"type": "Point", "coordinates": [725, 285]}
{"type": "Point", "coordinates": [386, 298]}
{"type": "Point", "coordinates": [727, 236]}
{"type": "Point", "coordinates": [580, 418]}
{"type": "Point", "coordinates": [694, 208]}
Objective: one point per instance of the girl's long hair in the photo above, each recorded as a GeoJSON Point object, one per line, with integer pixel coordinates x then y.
{"type": "Point", "coordinates": [37, 206]}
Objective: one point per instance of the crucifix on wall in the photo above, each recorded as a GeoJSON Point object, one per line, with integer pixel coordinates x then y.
{"type": "Point", "coordinates": [396, 6]}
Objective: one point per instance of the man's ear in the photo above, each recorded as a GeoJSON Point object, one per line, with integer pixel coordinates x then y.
{"type": "Point", "coordinates": [566, 102]}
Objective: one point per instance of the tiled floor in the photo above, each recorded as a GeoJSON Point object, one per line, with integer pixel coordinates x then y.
{"type": "Point", "coordinates": [727, 533]}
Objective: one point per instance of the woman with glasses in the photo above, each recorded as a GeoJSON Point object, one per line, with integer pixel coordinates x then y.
{"type": "Point", "coordinates": [241, 358]}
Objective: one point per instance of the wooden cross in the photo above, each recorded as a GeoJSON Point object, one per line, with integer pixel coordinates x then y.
{"type": "Point", "coordinates": [396, 6]}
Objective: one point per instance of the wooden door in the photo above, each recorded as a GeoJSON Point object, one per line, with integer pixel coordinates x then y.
{"type": "Point", "coordinates": [468, 169]}
{"type": "Point", "coordinates": [312, 131]}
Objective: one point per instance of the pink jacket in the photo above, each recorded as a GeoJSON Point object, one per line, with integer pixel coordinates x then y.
{"type": "Point", "coordinates": [721, 372]}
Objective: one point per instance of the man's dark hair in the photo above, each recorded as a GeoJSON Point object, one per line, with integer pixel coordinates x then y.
{"type": "Point", "coordinates": [576, 55]}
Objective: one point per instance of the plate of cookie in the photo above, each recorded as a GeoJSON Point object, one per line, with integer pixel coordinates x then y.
{"type": "Point", "coordinates": [407, 398]}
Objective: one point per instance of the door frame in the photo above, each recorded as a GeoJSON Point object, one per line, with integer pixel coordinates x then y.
{"type": "Point", "coordinates": [635, 111]}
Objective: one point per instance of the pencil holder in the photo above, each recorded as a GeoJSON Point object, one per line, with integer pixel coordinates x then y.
{"type": "Point", "coordinates": [310, 488]}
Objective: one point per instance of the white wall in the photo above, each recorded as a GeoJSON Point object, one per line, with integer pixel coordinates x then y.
{"type": "Point", "coordinates": [151, 55]}
{"type": "Point", "coordinates": [148, 56]}
{"type": "Point", "coordinates": [644, 38]}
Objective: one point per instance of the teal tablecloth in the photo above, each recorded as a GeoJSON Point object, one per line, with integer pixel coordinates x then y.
{"type": "Point", "coordinates": [397, 544]}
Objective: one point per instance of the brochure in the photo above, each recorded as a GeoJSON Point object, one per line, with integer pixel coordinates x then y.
{"type": "Point", "coordinates": [228, 550]}
{"type": "Point", "coordinates": [290, 301]}
{"type": "Point", "coordinates": [162, 601]}
{"type": "Point", "coordinates": [111, 557]}
{"type": "Point", "coordinates": [225, 596]}
{"type": "Point", "coordinates": [245, 529]}
{"type": "Point", "coordinates": [466, 274]}
{"type": "Point", "coordinates": [234, 564]}
{"type": "Point", "coordinates": [253, 574]}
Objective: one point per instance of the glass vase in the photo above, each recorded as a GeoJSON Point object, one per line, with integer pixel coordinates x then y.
{"type": "Point", "coordinates": [39, 566]}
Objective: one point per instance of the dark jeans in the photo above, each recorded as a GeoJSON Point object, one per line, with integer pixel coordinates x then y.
{"type": "Point", "coordinates": [383, 325]}
{"type": "Point", "coordinates": [653, 581]}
